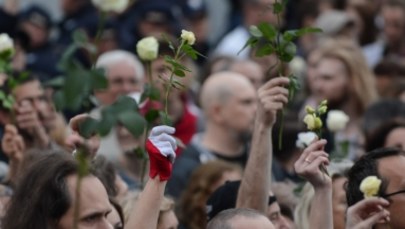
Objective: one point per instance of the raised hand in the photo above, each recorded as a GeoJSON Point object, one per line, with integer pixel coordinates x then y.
{"type": "Point", "coordinates": [366, 213]}
{"type": "Point", "coordinates": [27, 119]}
{"type": "Point", "coordinates": [161, 147]}
{"type": "Point", "coordinates": [272, 97]}
{"type": "Point", "coordinates": [308, 165]}
{"type": "Point", "coordinates": [12, 143]}
{"type": "Point", "coordinates": [74, 140]}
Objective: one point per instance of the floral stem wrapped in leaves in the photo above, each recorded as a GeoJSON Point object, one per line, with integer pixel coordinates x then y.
{"type": "Point", "coordinates": [268, 40]}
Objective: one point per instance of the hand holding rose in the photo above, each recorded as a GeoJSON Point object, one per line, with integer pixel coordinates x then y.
{"type": "Point", "coordinates": [366, 213]}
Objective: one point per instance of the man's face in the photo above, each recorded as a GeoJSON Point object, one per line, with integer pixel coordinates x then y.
{"type": "Point", "coordinates": [242, 222]}
{"type": "Point", "coordinates": [391, 169]}
{"type": "Point", "coordinates": [122, 80]}
{"type": "Point", "coordinates": [94, 205]}
{"type": "Point", "coordinates": [33, 92]}
{"type": "Point", "coordinates": [239, 110]}
{"type": "Point", "coordinates": [38, 35]}
{"type": "Point", "coordinates": [331, 81]}
{"type": "Point", "coordinates": [275, 216]}
{"type": "Point", "coordinates": [394, 19]}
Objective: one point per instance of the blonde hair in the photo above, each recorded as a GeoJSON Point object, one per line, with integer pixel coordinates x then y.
{"type": "Point", "coordinates": [336, 169]}
{"type": "Point", "coordinates": [360, 75]}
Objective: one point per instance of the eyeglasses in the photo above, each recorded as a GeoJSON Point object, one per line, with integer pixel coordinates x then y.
{"type": "Point", "coordinates": [392, 194]}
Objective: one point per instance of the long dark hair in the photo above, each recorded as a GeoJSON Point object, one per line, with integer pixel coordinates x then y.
{"type": "Point", "coordinates": [41, 197]}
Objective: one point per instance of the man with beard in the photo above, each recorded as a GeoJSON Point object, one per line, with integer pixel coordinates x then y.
{"type": "Point", "coordinates": [344, 79]}
{"type": "Point", "coordinates": [228, 101]}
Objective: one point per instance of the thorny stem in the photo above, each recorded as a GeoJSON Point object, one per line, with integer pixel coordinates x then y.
{"type": "Point", "coordinates": [280, 73]}
{"type": "Point", "coordinates": [149, 72]}
{"type": "Point", "coordinates": [81, 156]}
{"type": "Point", "coordinates": [100, 30]}
{"type": "Point", "coordinates": [144, 159]}
{"type": "Point", "coordinates": [77, 202]}
{"type": "Point", "coordinates": [169, 85]}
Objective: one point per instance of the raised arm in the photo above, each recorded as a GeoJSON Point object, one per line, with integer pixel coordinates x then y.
{"type": "Point", "coordinates": [308, 166]}
{"type": "Point", "coordinates": [161, 148]}
{"type": "Point", "coordinates": [254, 188]}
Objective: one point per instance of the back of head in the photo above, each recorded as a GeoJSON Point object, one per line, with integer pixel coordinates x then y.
{"type": "Point", "coordinates": [41, 198]}
{"type": "Point", "coordinates": [381, 111]}
{"type": "Point", "coordinates": [111, 58]}
{"type": "Point", "coordinates": [219, 87]}
{"type": "Point", "coordinates": [199, 189]}
{"type": "Point", "coordinates": [364, 167]}
{"type": "Point", "coordinates": [224, 218]}
{"type": "Point", "coordinates": [377, 138]}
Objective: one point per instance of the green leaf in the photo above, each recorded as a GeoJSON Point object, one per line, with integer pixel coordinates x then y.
{"type": "Point", "coordinates": [174, 64]}
{"type": "Point", "coordinates": [186, 48]}
{"type": "Point", "coordinates": [124, 103]}
{"type": "Point", "coordinates": [152, 115]}
{"type": "Point", "coordinates": [278, 8]}
{"type": "Point", "coordinates": [133, 122]}
{"type": "Point", "coordinates": [66, 59]}
{"type": "Point", "coordinates": [57, 82]}
{"type": "Point", "coordinates": [76, 88]}
{"type": "Point", "coordinates": [290, 35]}
{"type": "Point", "coordinates": [255, 32]}
{"type": "Point", "coordinates": [251, 42]}
{"type": "Point", "coordinates": [107, 122]}
{"type": "Point", "coordinates": [7, 105]}
{"type": "Point", "coordinates": [150, 92]}
{"type": "Point", "coordinates": [265, 50]}
{"type": "Point", "coordinates": [287, 52]}
{"type": "Point", "coordinates": [88, 127]}
{"type": "Point", "coordinates": [293, 87]}
{"type": "Point", "coordinates": [178, 85]}
{"type": "Point", "coordinates": [98, 79]}
{"type": "Point", "coordinates": [268, 31]}
{"type": "Point", "coordinates": [179, 73]}
{"type": "Point", "coordinates": [59, 100]}
{"type": "Point", "coordinates": [307, 30]}
{"type": "Point", "coordinates": [79, 37]}
{"type": "Point", "coordinates": [165, 118]}
{"type": "Point", "coordinates": [2, 95]}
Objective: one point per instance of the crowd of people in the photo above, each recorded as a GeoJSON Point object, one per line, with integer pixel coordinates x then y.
{"type": "Point", "coordinates": [221, 164]}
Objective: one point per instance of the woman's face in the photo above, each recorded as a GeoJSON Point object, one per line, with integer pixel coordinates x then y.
{"type": "Point", "coordinates": [339, 202]}
{"type": "Point", "coordinates": [396, 138]}
{"type": "Point", "coordinates": [168, 220]}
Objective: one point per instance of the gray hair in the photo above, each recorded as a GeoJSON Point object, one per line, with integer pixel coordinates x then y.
{"type": "Point", "coordinates": [221, 221]}
{"type": "Point", "coordinates": [110, 58]}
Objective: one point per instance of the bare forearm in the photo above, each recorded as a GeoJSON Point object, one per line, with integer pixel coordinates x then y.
{"type": "Point", "coordinates": [146, 212]}
{"type": "Point", "coordinates": [254, 189]}
{"type": "Point", "coordinates": [321, 209]}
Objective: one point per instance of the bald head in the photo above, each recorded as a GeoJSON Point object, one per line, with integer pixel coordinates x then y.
{"type": "Point", "coordinates": [240, 218]}
{"type": "Point", "coordinates": [219, 87]}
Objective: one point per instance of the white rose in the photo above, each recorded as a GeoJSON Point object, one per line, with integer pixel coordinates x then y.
{"type": "Point", "coordinates": [111, 5]}
{"type": "Point", "coordinates": [147, 48]}
{"type": "Point", "coordinates": [6, 45]}
{"type": "Point", "coordinates": [188, 36]}
{"type": "Point", "coordinates": [304, 139]}
{"type": "Point", "coordinates": [336, 120]}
